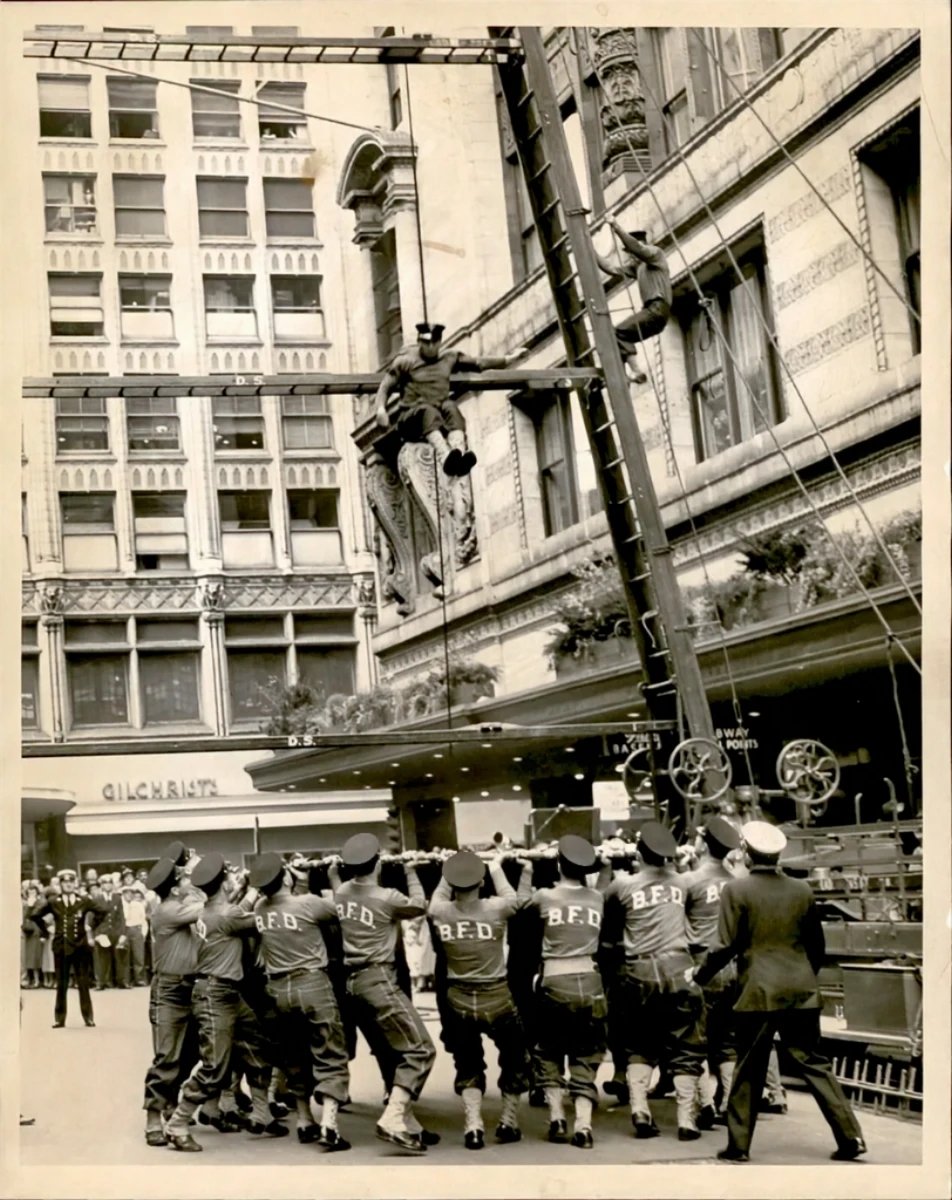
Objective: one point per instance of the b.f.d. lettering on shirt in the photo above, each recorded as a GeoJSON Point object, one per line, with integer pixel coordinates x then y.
{"type": "Point", "coordinates": [658, 893]}
{"type": "Point", "coordinates": [574, 914]}
{"type": "Point", "coordinates": [712, 893]}
{"type": "Point", "coordinates": [276, 920]}
{"type": "Point", "coordinates": [352, 911]}
{"type": "Point", "coordinates": [466, 931]}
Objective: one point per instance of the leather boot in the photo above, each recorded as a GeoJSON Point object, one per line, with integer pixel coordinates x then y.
{"type": "Point", "coordinates": [638, 1077]}
{"type": "Point", "coordinates": [685, 1090]}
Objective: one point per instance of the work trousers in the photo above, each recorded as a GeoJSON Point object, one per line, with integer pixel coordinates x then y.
{"type": "Point", "coordinates": [645, 323]}
{"type": "Point", "coordinates": [664, 1013]}
{"type": "Point", "coordinates": [720, 996]}
{"type": "Point", "coordinates": [79, 962]}
{"type": "Point", "coordinates": [415, 421]}
{"type": "Point", "coordinates": [130, 958]}
{"type": "Point", "coordinates": [570, 1019]}
{"type": "Point", "coordinates": [391, 1025]}
{"type": "Point", "coordinates": [174, 1039]}
{"type": "Point", "coordinates": [472, 1009]}
{"type": "Point", "coordinates": [225, 1024]}
{"type": "Point", "coordinates": [311, 1043]}
{"type": "Point", "coordinates": [799, 1030]}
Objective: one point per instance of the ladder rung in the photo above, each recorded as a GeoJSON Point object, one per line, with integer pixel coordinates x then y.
{"type": "Point", "coordinates": [541, 171]}
{"type": "Point", "coordinates": [526, 98]}
{"type": "Point", "coordinates": [639, 578]}
{"type": "Point", "coordinates": [660, 654]}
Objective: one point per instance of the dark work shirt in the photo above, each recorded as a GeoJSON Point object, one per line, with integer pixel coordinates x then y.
{"type": "Point", "coordinates": [220, 929]}
{"type": "Point", "coordinates": [419, 381]}
{"type": "Point", "coordinates": [174, 937]}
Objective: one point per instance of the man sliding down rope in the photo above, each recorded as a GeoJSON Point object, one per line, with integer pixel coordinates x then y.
{"type": "Point", "coordinates": [647, 264]}
{"type": "Point", "coordinates": [420, 375]}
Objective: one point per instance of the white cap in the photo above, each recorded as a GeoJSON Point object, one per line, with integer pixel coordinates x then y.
{"type": "Point", "coordinates": [763, 838]}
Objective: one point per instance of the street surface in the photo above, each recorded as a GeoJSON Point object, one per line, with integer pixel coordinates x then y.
{"type": "Point", "coordinates": [84, 1087]}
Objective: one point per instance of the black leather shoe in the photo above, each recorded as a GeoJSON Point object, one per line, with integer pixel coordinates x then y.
{"type": "Point", "coordinates": [409, 1142]}
{"type": "Point", "coordinates": [183, 1141]}
{"type": "Point", "coordinates": [847, 1151]}
{"type": "Point", "coordinates": [243, 1102]}
{"type": "Point", "coordinates": [330, 1140]}
{"type": "Point", "coordinates": [583, 1139]}
{"type": "Point", "coordinates": [537, 1098]}
{"type": "Point", "coordinates": [466, 463]}
{"type": "Point", "coordinates": [155, 1137]}
{"type": "Point", "coordinates": [558, 1132]}
{"type": "Point", "coordinates": [59, 1025]}
{"type": "Point", "coordinates": [221, 1122]}
{"type": "Point", "coordinates": [706, 1117]}
{"type": "Point", "coordinates": [429, 1138]}
{"type": "Point", "coordinates": [308, 1133]}
{"type": "Point", "coordinates": [90, 1024]}
{"type": "Point", "coordinates": [273, 1129]}
{"type": "Point", "coordinates": [508, 1133]}
{"type": "Point", "coordinates": [453, 462]}
{"type": "Point", "coordinates": [473, 1139]}
{"type": "Point", "coordinates": [644, 1125]}
{"type": "Point", "coordinates": [730, 1154]}
{"type": "Point", "coordinates": [617, 1088]}
{"type": "Point", "coordinates": [686, 1134]}
{"type": "Point", "coordinates": [664, 1087]}
{"type": "Point", "coordinates": [778, 1108]}
{"type": "Point", "coordinates": [278, 1110]}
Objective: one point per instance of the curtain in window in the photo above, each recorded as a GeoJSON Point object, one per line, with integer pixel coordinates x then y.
{"type": "Point", "coordinates": [64, 93]}
{"type": "Point", "coordinates": [227, 293]}
{"type": "Point", "coordinates": [290, 94]}
{"type": "Point", "coordinates": [225, 102]}
{"type": "Point", "coordinates": [750, 351]}
{"type": "Point", "coordinates": [131, 93]}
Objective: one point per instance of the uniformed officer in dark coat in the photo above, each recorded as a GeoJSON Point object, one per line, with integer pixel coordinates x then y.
{"type": "Point", "coordinates": [71, 950]}
{"type": "Point", "coordinates": [770, 924]}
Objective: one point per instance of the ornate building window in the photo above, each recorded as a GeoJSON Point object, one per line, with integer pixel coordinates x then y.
{"type": "Point", "coordinates": [64, 108]}
{"type": "Point", "coordinates": [219, 116]}
{"type": "Point", "coordinates": [161, 539]}
{"type": "Point", "coordinates": [89, 531]}
{"type": "Point", "coordinates": [70, 203]}
{"type": "Point", "coordinates": [132, 108]}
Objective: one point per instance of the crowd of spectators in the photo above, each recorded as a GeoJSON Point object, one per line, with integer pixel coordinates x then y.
{"type": "Point", "coordinates": [118, 938]}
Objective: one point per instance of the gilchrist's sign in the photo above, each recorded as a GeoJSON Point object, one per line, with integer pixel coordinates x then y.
{"type": "Point", "coordinates": [161, 789]}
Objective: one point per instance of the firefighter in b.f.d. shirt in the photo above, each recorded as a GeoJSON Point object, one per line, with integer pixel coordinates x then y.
{"type": "Point", "coordinates": [665, 1008]}
{"type": "Point", "coordinates": [472, 934]}
{"type": "Point", "coordinates": [702, 903]}
{"type": "Point", "coordinates": [295, 962]}
{"type": "Point", "coordinates": [571, 1000]}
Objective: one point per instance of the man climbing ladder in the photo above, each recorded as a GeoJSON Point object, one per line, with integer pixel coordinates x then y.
{"type": "Point", "coordinates": [646, 264]}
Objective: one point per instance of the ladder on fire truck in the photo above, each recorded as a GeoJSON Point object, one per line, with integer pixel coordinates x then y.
{"type": "Point", "coordinates": [672, 689]}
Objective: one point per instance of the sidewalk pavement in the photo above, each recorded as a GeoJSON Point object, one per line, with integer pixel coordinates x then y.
{"type": "Point", "coordinates": [84, 1089]}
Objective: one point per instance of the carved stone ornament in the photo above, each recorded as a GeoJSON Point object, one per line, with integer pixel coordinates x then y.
{"type": "Point", "coordinates": [367, 593]}
{"type": "Point", "coordinates": [211, 594]}
{"type": "Point", "coordinates": [390, 506]}
{"type": "Point", "coordinates": [51, 598]}
{"type": "Point", "coordinates": [455, 522]}
{"type": "Point", "coordinates": [615, 59]}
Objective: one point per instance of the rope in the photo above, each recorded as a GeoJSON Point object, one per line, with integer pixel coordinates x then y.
{"type": "Point", "coordinates": [416, 192]}
{"type": "Point", "coordinates": [909, 768]}
{"type": "Point", "coordinates": [813, 188]}
{"type": "Point", "coordinates": [197, 87]}
{"type": "Point", "coordinates": [765, 326]}
{"type": "Point", "coordinates": [740, 375]}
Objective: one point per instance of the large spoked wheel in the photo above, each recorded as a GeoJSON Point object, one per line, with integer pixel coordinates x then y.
{"type": "Point", "coordinates": [809, 773]}
{"type": "Point", "coordinates": [636, 775]}
{"type": "Point", "coordinates": [700, 769]}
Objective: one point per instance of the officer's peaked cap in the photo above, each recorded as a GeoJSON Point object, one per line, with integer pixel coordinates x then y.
{"type": "Point", "coordinates": [577, 851]}
{"type": "Point", "coordinates": [763, 838]}
{"type": "Point", "coordinates": [717, 829]}
{"type": "Point", "coordinates": [658, 839]}
{"type": "Point", "coordinates": [429, 333]}
{"type": "Point", "coordinates": [177, 852]}
{"type": "Point", "coordinates": [66, 873]}
{"type": "Point", "coordinates": [208, 868]}
{"type": "Point", "coordinates": [464, 870]}
{"type": "Point", "coordinates": [265, 870]}
{"type": "Point", "coordinates": [359, 850]}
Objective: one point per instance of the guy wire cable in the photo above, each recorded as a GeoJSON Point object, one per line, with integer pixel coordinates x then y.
{"type": "Point", "coordinates": [769, 428]}
{"type": "Point", "coordinates": [812, 186]}
{"type": "Point", "coordinates": [764, 324]}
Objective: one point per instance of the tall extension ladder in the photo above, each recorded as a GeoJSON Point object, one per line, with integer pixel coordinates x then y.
{"type": "Point", "coordinates": [673, 685]}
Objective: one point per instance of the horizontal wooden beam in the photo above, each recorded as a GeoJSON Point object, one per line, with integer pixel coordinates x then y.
{"type": "Point", "coordinates": [335, 741]}
{"type": "Point", "coordinates": [324, 384]}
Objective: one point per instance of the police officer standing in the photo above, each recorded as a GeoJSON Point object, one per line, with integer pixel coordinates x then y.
{"type": "Point", "coordinates": [368, 915]}
{"type": "Point", "coordinates": [665, 1009]}
{"type": "Point", "coordinates": [472, 932]}
{"type": "Point", "coordinates": [71, 950]}
{"type": "Point", "coordinates": [175, 961]}
{"type": "Point", "coordinates": [770, 924]}
{"type": "Point", "coordinates": [225, 1022]}
{"type": "Point", "coordinates": [702, 903]}
{"type": "Point", "coordinates": [295, 960]}
{"type": "Point", "coordinates": [572, 1007]}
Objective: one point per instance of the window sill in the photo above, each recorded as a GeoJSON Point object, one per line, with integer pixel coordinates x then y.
{"type": "Point", "coordinates": [264, 455]}
{"type": "Point", "coordinates": [219, 143]}
{"type": "Point", "coordinates": [240, 239]}
{"type": "Point", "coordinates": [107, 456]}
{"type": "Point", "coordinates": [78, 235]}
{"type": "Point", "coordinates": [177, 456]}
{"type": "Point", "coordinates": [312, 243]}
{"type": "Point", "coordinates": [68, 141]}
{"type": "Point", "coordinates": [324, 452]}
{"type": "Point", "coordinates": [143, 239]}
{"type": "Point", "coordinates": [89, 733]}
{"type": "Point", "coordinates": [322, 343]}
{"type": "Point", "coordinates": [235, 340]}
{"type": "Point", "coordinates": [284, 144]}
{"type": "Point", "coordinates": [147, 341]}
{"type": "Point", "coordinates": [137, 141]}
{"type": "Point", "coordinates": [93, 339]}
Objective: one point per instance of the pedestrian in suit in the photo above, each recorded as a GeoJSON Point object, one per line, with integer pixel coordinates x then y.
{"type": "Point", "coordinates": [108, 927]}
{"type": "Point", "coordinates": [770, 924]}
{"type": "Point", "coordinates": [70, 947]}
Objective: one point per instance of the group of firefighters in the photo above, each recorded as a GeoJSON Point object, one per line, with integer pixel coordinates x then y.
{"type": "Point", "coordinates": [267, 973]}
